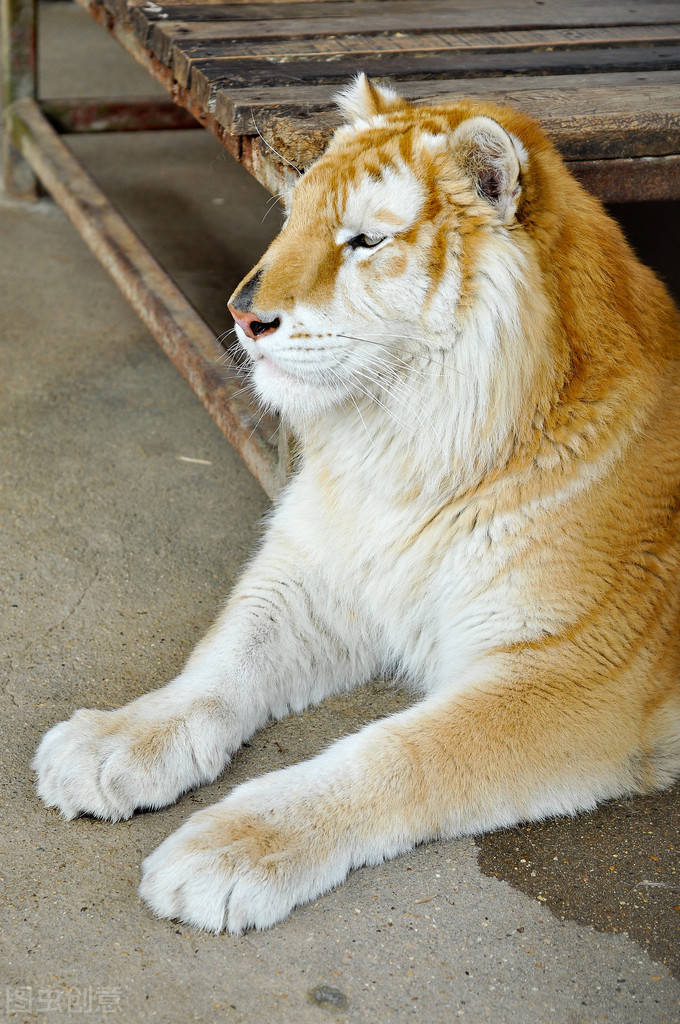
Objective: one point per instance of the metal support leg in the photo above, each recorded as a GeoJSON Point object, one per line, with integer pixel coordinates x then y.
{"type": "Point", "coordinates": [19, 81]}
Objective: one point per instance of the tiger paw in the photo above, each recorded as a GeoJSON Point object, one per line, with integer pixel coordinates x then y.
{"type": "Point", "coordinates": [243, 863]}
{"type": "Point", "coordinates": [109, 763]}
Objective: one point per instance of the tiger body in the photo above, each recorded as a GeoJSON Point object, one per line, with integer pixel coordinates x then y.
{"type": "Point", "coordinates": [485, 385]}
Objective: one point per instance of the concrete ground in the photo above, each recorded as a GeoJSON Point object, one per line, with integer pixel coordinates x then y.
{"type": "Point", "coordinates": [117, 554]}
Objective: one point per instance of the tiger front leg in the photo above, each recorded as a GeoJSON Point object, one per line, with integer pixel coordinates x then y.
{"type": "Point", "coordinates": [280, 645]}
{"type": "Point", "coordinates": [486, 759]}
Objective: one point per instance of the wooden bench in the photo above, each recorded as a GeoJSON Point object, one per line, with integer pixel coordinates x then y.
{"type": "Point", "coordinates": [602, 76]}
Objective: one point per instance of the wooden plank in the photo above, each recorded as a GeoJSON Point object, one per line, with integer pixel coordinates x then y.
{"type": "Point", "coordinates": [606, 92]}
{"type": "Point", "coordinates": [612, 136]}
{"type": "Point", "coordinates": [628, 181]}
{"type": "Point", "coordinates": [297, 21]}
{"type": "Point", "coordinates": [207, 77]}
{"type": "Point", "coordinates": [577, 136]}
{"type": "Point", "coordinates": [638, 118]}
{"type": "Point", "coordinates": [473, 13]}
{"type": "Point", "coordinates": [259, 6]}
{"type": "Point", "coordinates": [180, 51]}
{"type": "Point", "coordinates": [597, 10]}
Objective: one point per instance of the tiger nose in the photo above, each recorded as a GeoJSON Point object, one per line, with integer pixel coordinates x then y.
{"type": "Point", "coordinates": [251, 326]}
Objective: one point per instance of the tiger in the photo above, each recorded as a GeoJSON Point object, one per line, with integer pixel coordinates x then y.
{"type": "Point", "coordinates": [482, 380]}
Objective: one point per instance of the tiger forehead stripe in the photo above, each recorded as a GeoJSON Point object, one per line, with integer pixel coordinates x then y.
{"type": "Point", "coordinates": [397, 189]}
{"type": "Point", "coordinates": [389, 217]}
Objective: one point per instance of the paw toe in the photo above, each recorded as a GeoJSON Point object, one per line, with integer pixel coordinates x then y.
{"type": "Point", "coordinates": [187, 887]}
{"type": "Point", "coordinates": [68, 763]}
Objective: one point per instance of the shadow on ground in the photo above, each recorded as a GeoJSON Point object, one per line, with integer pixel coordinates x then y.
{"type": "Point", "coordinates": [616, 868]}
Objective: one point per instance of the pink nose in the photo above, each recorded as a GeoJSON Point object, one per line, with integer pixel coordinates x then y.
{"type": "Point", "coordinates": [251, 326]}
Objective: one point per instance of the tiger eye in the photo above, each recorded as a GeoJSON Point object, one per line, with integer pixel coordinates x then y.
{"type": "Point", "coordinates": [363, 242]}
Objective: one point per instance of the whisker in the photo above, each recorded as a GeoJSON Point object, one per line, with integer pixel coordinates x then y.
{"type": "Point", "coordinates": [426, 355]}
{"type": "Point", "coordinates": [354, 403]}
{"type": "Point", "coordinates": [401, 390]}
{"type": "Point", "coordinates": [374, 398]}
{"type": "Point", "coordinates": [385, 363]}
{"type": "Point", "coordinates": [227, 362]}
{"type": "Point", "coordinates": [247, 387]}
{"type": "Point", "coordinates": [382, 345]}
{"type": "Point", "coordinates": [401, 395]}
{"type": "Point", "coordinates": [404, 365]}
{"type": "Point", "coordinates": [259, 420]}
{"type": "Point", "coordinates": [271, 202]}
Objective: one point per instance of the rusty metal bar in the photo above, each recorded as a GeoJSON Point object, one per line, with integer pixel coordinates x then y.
{"type": "Point", "coordinates": [144, 114]}
{"type": "Point", "coordinates": [174, 323]}
{"type": "Point", "coordinates": [18, 68]}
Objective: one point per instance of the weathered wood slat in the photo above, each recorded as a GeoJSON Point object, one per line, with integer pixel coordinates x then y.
{"type": "Point", "coordinates": [606, 93]}
{"type": "Point", "coordinates": [292, 22]}
{"type": "Point", "coordinates": [232, 4]}
{"type": "Point", "coordinates": [598, 9]}
{"type": "Point", "coordinates": [618, 180]}
{"type": "Point", "coordinates": [209, 76]}
{"type": "Point", "coordinates": [174, 48]}
{"type": "Point", "coordinates": [605, 136]}
{"type": "Point", "coordinates": [629, 180]}
{"type": "Point", "coordinates": [578, 136]}
{"type": "Point", "coordinates": [641, 118]}
{"type": "Point", "coordinates": [482, 13]}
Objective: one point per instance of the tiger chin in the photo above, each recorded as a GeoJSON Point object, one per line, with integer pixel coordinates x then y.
{"type": "Point", "coordinates": [484, 384]}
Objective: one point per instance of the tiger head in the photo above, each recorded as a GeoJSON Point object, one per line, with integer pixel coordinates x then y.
{"type": "Point", "coordinates": [407, 246]}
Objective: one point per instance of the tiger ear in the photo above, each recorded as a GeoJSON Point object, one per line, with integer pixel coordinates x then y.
{"type": "Point", "coordinates": [363, 99]}
{"type": "Point", "coordinates": [491, 158]}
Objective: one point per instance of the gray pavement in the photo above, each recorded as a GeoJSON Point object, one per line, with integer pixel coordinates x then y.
{"type": "Point", "coordinates": [117, 554]}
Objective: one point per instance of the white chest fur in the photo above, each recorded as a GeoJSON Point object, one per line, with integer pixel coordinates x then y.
{"type": "Point", "coordinates": [435, 587]}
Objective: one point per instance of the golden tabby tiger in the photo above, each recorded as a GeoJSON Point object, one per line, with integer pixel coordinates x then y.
{"type": "Point", "coordinates": [485, 384]}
